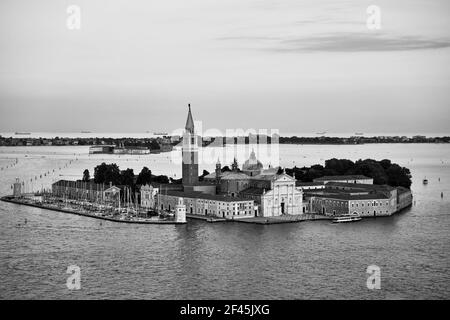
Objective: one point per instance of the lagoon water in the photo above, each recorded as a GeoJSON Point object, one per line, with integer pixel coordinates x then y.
{"type": "Point", "coordinates": [226, 260]}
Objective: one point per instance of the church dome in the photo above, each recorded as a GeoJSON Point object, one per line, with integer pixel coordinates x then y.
{"type": "Point", "coordinates": [252, 164]}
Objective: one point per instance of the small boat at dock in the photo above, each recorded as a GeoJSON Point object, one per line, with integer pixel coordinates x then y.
{"type": "Point", "coordinates": [425, 181]}
{"type": "Point", "coordinates": [347, 218]}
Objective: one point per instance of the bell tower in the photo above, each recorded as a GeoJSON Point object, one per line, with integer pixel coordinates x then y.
{"type": "Point", "coordinates": [218, 171]}
{"type": "Point", "coordinates": [190, 152]}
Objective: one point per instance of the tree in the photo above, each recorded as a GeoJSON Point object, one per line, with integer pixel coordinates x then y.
{"type": "Point", "coordinates": [86, 176]}
{"type": "Point", "coordinates": [385, 163]}
{"type": "Point", "coordinates": [154, 145]}
{"type": "Point", "coordinates": [382, 172]}
{"type": "Point", "coordinates": [370, 168]}
{"type": "Point", "coordinates": [106, 173]}
{"type": "Point", "coordinates": [144, 177]}
{"type": "Point", "coordinates": [176, 181]}
{"type": "Point", "coordinates": [338, 166]}
{"type": "Point", "coordinates": [398, 176]}
{"type": "Point", "coordinates": [161, 179]}
{"type": "Point", "coordinates": [127, 177]}
{"type": "Point", "coordinates": [205, 173]}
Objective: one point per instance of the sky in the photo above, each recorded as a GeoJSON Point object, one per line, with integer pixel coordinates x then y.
{"type": "Point", "coordinates": [296, 66]}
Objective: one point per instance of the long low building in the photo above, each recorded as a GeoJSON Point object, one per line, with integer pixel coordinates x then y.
{"type": "Point", "coordinates": [363, 204]}
{"type": "Point", "coordinates": [363, 199]}
{"type": "Point", "coordinates": [87, 191]}
{"type": "Point", "coordinates": [200, 203]}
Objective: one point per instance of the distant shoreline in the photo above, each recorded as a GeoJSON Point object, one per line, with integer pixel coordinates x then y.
{"type": "Point", "coordinates": [160, 142]}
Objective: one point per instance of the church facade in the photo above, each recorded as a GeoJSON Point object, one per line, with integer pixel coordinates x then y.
{"type": "Point", "coordinates": [238, 193]}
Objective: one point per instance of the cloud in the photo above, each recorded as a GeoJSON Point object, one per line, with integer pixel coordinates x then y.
{"type": "Point", "coordinates": [341, 42]}
{"type": "Point", "coordinates": [357, 42]}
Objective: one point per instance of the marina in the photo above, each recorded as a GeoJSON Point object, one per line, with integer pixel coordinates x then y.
{"type": "Point", "coordinates": [87, 211]}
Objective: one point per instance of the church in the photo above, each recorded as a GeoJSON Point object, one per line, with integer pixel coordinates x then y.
{"type": "Point", "coordinates": [239, 193]}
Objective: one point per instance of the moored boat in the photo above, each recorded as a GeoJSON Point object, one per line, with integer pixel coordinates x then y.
{"type": "Point", "coordinates": [347, 218]}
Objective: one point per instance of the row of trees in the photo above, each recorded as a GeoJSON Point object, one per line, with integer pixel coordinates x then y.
{"type": "Point", "coordinates": [111, 173]}
{"type": "Point", "coordinates": [382, 172]}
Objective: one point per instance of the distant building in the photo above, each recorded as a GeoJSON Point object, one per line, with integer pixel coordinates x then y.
{"type": "Point", "coordinates": [131, 150]}
{"type": "Point", "coordinates": [101, 149]}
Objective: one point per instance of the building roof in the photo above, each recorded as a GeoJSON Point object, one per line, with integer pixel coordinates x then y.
{"type": "Point", "coordinates": [201, 195]}
{"type": "Point", "coordinates": [86, 185]}
{"type": "Point", "coordinates": [307, 184]}
{"type": "Point", "coordinates": [252, 164]}
{"type": "Point", "coordinates": [348, 196]}
{"type": "Point", "coordinates": [80, 184]}
{"type": "Point", "coordinates": [163, 187]}
{"type": "Point", "coordinates": [235, 176]}
{"type": "Point", "coordinates": [189, 122]}
{"type": "Point", "coordinates": [361, 186]}
{"type": "Point", "coordinates": [267, 177]}
{"type": "Point", "coordinates": [402, 190]}
{"type": "Point", "coordinates": [112, 189]}
{"type": "Point", "coordinates": [212, 175]}
{"type": "Point", "coordinates": [253, 191]}
{"type": "Point", "coordinates": [344, 177]}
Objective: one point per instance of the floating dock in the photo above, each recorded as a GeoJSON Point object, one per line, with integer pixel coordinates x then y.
{"type": "Point", "coordinates": [264, 220]}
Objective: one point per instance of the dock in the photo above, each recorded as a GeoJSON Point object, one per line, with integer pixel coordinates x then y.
{"type": "Point", "coordinates": [264, 220]}
{"type": "Point", "coordinates": [206, 218]}
{"type": "Point", "coordinates": [284, 219]}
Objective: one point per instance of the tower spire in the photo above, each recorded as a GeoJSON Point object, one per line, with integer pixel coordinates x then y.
{"type": "Point", "coordinates": [190, 121]}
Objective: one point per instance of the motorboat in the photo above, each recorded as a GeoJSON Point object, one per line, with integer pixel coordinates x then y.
{"type": "Point", "coordinates": [347, 218]}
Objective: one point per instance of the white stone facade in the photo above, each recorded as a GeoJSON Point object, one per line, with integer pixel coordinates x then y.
{"type": "Point", "coordinates": [283, 198]}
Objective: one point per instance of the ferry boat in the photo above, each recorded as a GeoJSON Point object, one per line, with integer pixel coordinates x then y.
{"type": "Point", "coordinates": [347, 218]}
{"type": "Point", "coordinates": [22, 133]}
{"type": "Point", "coordinates": [160, 133]}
